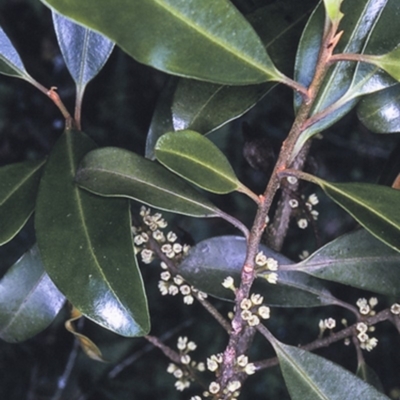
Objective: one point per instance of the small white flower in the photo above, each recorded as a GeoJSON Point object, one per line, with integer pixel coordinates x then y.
{"type": "Point", "coordinates": [260, 259]}
{"type": "Point", "coordinates": [214, 387]}
{"type": "Point", "coordinates": [245, 304]}
{"type": "Point", "coordinates": [250, 369]}
{"type": "Point", "coordinates": [362, 327]}
{"type": "Point", "coordinates": [188, 300]}
{"type": "Point", "coordinates": [256, 299]}
{"type": "Point", "coordinates": [177, 248]}
{"type": "Point", "coordinates": [185, 290]}
{"type": "Point", "coordinates": [267, 220]}
{"type": "Point", "coordinates": [147, 256]}
{"type": "Point", "coordinates": [163, 265]}
{"type": "Point", "coordinates": [165, 276]}
{"type": "Point", "coordinates": [292, 180]}
{"type": "Point", "coordinates": [166, 248]}
{"type": "Point", "coordinates": [163, 287]}
{"type": "Point", "coordinates": [242, 360]}
{"type": "Point", "coordinates": [201, 367]}
{"type": "Point", "coordinates": [185, 359]}
{"type": "Point", "coordinates": [304, 254]}
{"type": "Point", "coordinates": [159, 236]}
{"type": "Point", "coordinates": [178, 280]}
{"type": "Point", "coordinates": [195, 398]}
{"type": "Point", "coordinates": [173, 290]}
{"type": "Point", "coordinates": [186, 248]}
{"type": "Point", "coordinates": [313, 199]}
{"type": "Point", "coordinates": [361, 302]}
{"type": "Point", "coordinates": [191, 346]}
{"type": "Point", "coordinates": [212, 365]}
{"type": "Point", "coordinates": [302, 223]}
{"type": "Point", "coordinates": [362, 337]}
{"type": "Point", "coordinates": [233, 386]}
{"type": "Point", "coordinates": [171, 237]}
{"type": "Point", "coordinates": [264, 312]}
{"type": "Point", "coordinates": [315, 214]}
{"type": "Point", "coordinates": [182, 342]}
{"type": "Point", "coordinates": [272, 264]}
{"type": "Point", "coordinates": [246, 315]}
{"type": "Point", "coordinates": [395, 309]}
{"type": "Point", "coordinates": [181, 385]}
{"type": "Point", "coordinates": [373, 301]}
{"type": "Point", "coordinates": [272, 278]}
{"type": "Point", "coordinates": [365, 309]}
{"type": "Point", "coordinates": [330, 323]}
{"type": "Point", "coordinates": [293, 203]}
{"type": "Point", "coordinates": [254, 320]}
{"type": "Point", "coordinates": [201, 295]}
{"type": "Point", "coordinates": [371, 344]}
{"type": "Point", "coordinates": [171, 368]}
{"type": "Point", "coordinates": [228, 283]}
{"type": "Point", "coordinates": [178, 373]}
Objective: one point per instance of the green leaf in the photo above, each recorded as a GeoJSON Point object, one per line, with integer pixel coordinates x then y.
{"type": "Point", "coordinates": [207, 41]}
{"type": "Point", "coordinates": [161, 121]}
{"type": "Point", "coordinates": [10, 61]}
{"type": "Point", "coordinates": [85, 52]}
{"type": "Point", "coordinates": [368, 375]}
{"type": "Point", "coordinates": [375, 207]}
{"type": "Point", "coordinates": [311, 377]}
{"type": "Point", "coordinates": [29, 300]}
{"type": "Point", "coordinates": [389, 62]}
{"type": "Point", "coordinates": [380, 112]}
{"type": "Point", "coordinates": [365, 27]}
{"type": "Point", "coordinates": [195, 158]}
{"type": "Point", "coordinates": [212, 260]}
{"type": "Point", "coordinates": [18, 188]}
{"type": "Point", "coordinates": [120, 173]}
{"type": "Point", "coordinates": [204, 107]}
{"type": "Point", "coordinates": [332, 8]}
{"type": "Point", "coordinates": [357, 259]}
{"type": "Point", "coordinates": [86, 244]}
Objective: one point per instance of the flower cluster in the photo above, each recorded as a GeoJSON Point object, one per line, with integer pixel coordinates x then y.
{"type": "Point", "coordinates": [264, 263]}
{"type": "Point", "coordinates": [174, 285]}
{"type": "Point", "coordinates": [253, 310]}
{"type": "Point", "coordinates": [366, 342]}
{"type": "Point", "coordinates": [182, 373]}
{"type": "Point", "coordinates": [309, 203]}
{"type": "Point", "coordinates": [367, 307]}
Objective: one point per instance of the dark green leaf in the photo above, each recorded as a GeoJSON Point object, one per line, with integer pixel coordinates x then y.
{"type": "Point", "coordinates": [380, 112]}
{"type": "Point", "coordinates": [365, 31]}
{"type": "Point", "coordinates": [29, 300]}
{"type": "Point", "coordinates": [311, 377]}
{"type": "Point", "coordinates": [195, 158]}
{"type": "Point", "coordinates": [375, 207]}
{"type": "Point", "coordinates": [208, 41]}
{"type": "Point", "coordinates": [10, 61]}
{"type": "Point", "coordinates": [357, 259]}
{"type": "Point", "coordinates": [85, 52]}
{"type": "Point", "coordinates": [204, 107]}
{"type": "Point", "coordinates": [120, 173]}
{"type": "Point", "coordinates": [18, 189]}
{"type": "Point", "coordinates": [161, 121]}
{"type": "Point", "coordinates": [212, 260]}
{"type": "Point", "coordinates": [86, 244]}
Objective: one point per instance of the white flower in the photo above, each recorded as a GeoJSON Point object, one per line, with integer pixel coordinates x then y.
{"type": "Point", "coordinates": [250, 369]}
{"type": "Point", "coordinates": [147, 256]}
{"type": "Point", "coordinates": [272, 277]}
{"type": "Point", "coordinates": [178, 280]}
{"type": "Point", "coordinates": [302, 223]}
{"type": "Point", "coordinates": [373, 301]}
{"type": "Point", "coordinates": [171, 368]}
{"type": "Point", "coordinates": [371, 343]}
{"type": "Point", "coordinates": [201, 367]}
{"type": "Point", "coordinates": [330, 323]}
{"type": "Point", "coordinates": [214, 387]}
{"type": "Point", "coordinates": [195, 398]}
{"type": "Point", "coordinates": [256, 299]}
{"type": "Point", "coordinates": [272, 264]}
{"type": "Point", "coordinates": [362, 327]}
{"type": "Point", "coordinates": [185, 290]}
{"type": "Point", "coordinates": [254, 320]}
{"type": "Point", "coordinates": [159, 236]}
{"type": "Point", "coordinates": [245, 304]}
{"type": "Point", "coordinates": [165, 276]}
{"type": "Point", "coordinates": [182, 342]}
{"type": "Point", "coordinates": [178, 373]}
{"type": "Point", "coordinates": [181, 385]}
{"type": "Point", "coordinates": [177, 248]}
{"type": "Point", "coordinates": [313, 199]}
{"type": "Point", "coordinates": [361, 302]}
{"type": "Point", "coordinates": [233, 386]}
{"type": "Point", "coordinates": [163, 287]}
{"type": "Point", "coordinates": [293, 203]}
{"type": "Point", "coordinates": [362, 337]}
{"type": "Point", "coordinates": [246, 315]}
{"type": "Point", "coordinates": [264, 312]}
{"type": "Point", "coordinates": [163, 265]}
{"type": "Point", "coordinates": [212, 365]}
{"type": "Point", "coordinates": [171, 237]}
{"type": "Point", "coordinates": [260, 259]}
{"type": "Point", "coordinates": [228, 283]}
{"type": "Point", "coordinates": [242, 360]}
{"type": "Point", "coordinates": [166, 248]}
{"type": "Point", "coordinates": [191, 346]}
{"type": "Point", "coordinates": [188, 300]}
{"type": "Point", "coordinates": [185, 359]}
{"type": "Point", "coordinates": [173, 290]}
{"type": "Point", "coordinates": [292, 180]}
{"type": "Point", "coordinates": [365, 309]}
{"type": "Point", "coordinates": [395, 309]}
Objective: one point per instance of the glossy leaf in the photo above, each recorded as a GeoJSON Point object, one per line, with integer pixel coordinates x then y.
{"type": "Point", "coordinates": [388, 62]}
{"type": "Point", "coordinates": [29, 300]}
{"type": "Point", "coordinates": [212, 260]}
{"type": "Point", "coordinates": [365, 27]}
{"type": "Point", "coordinates": [90, 259]}
{"type": "Point", "coordinates": [357, 259]}
{"type": "Point", "coordinates": [85, 52]}
{"type": "Point", "coordinates": [18, 189]}
{"type": "Point", "coordinates": [120, 173]}
{"type": "Point", "coordinates": [208, 41]}
{"type": "Point", "coordinates": [161, 121]}
{"type": "Point", "coordinates": [380, 112]}
{"type": "Point", "coordinates": [10, 61]}
{"type": "Point", "coordinates": [332, 8]}
{"type": "Point", "coordinates": [204, 107]}
{"type": "Point", "coordinates": [375, 207]}
{"type": "Point", "coordinates": [195, 158]}
{"type": "Point", "coordinates": [311, 377]}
